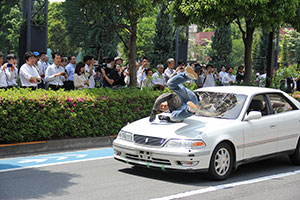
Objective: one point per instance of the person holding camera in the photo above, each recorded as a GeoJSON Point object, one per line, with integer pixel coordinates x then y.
{"type": "Point", "coordinates": [6, 72]}
{"type": "Point", "coordinates": [109, 75]}
{"type": "Point", "coordinates": [55, 74]}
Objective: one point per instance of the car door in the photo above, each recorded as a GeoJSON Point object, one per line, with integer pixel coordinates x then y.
{"type": "Point", "coordinates": [288, 124]}
{"type": "Point", "coordinates": [260, 136]}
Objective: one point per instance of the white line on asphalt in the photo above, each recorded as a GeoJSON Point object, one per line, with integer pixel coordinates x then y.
{"type": "Point", "coordinates": [228, 185]}
{"type": "Point", "coordinates": [52, 164]}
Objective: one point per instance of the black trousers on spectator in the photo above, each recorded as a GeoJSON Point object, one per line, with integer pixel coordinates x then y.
{"type": "Point", "coordinates": [31, 87]}
{"type": "Point", "coordinates": [69, 85]}
{"type": "Point", "coordinates": [55, 87]}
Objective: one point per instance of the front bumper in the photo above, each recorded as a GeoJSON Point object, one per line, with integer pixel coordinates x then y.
{"type": "Point", "coordinates": [161, 158]}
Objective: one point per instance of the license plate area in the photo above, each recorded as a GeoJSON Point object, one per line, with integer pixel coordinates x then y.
{"type": "Point", "coordinates": [145, 155]}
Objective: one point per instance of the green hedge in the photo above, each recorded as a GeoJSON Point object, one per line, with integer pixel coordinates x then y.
{"type": "Point", "coordinates": [42, 115]}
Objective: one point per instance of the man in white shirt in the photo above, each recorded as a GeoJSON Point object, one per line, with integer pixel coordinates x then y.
{"type": "Point", "coordinates": [141, 73]}
{"type": "Point", "coordinates": [42, 66]}
{"type": "Point", "coordinates": [12, 59]}
{"type": "Point", "coordinates": [158, 79]}
{"type": "Point", "coordinates": [55, 74]}
{"type": "Point", "coordinates": [170, 72]}
{"type": "Point", "coordinates": [209, 78]}
{"type": "Point", "coordinates": [70, 68]}
{"type": "Point", "coordinates": [229, 78]}
{"type": "Point", "coordinates": [222, 73]}
{"type": "Point", "coordinates": [89, 70]}
{"type": "Point", "coordinates": [29, 75]}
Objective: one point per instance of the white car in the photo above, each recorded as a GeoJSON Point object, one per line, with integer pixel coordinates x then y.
{"type": "Point", "coordinates": [236, 125]}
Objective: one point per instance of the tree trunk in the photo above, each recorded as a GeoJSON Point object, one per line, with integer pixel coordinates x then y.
{"type": "Point", "coordinates": [132, 53]}
{"type": "Point", "coordinates": [248, 40]}
{"type": "Point", "coordinates": [270, 59]}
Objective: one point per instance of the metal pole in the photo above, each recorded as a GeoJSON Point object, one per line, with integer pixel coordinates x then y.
{"type": "Point", "coordinates": [46, 18]}
{"type": "Point", "coordinates": [177, 47]}
{"type": "Point", "coordinates": [28, 30]}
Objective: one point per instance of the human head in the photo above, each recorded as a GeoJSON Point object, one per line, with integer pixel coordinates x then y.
{"type": "Point", "coordinates": [171, 63]}
{"type": "Point", "coordinates": [46, 58]}
{"type": "Point", "coordinates": [163, 107]}
{"type": "Point", "coordinates": [118, 67]}
{"type": "Point", "coordinates": [43, 55]}
{"type": "Point", "coordinates": [56, 57]}
{"type": "Point", "coordinates": [145, 62]}
{"type": "Point", "coordinates": [110, 63]}
{"type": "Point", "coordinates": [11, 58]}
{"type": "Point", "coordinates": [119, 60]}
{"type": "Point", "coordinates": [64, 61]}
{"type": "Point", "coordinates": [209, 68]}
{"type": "Point", "coordinates": [223, 68]}
{"type": "Point", "coordinates": [181, 63]}
{"type": "Point", "coordinates": [88, 59]}
{"type": "Point", "coordinates": [72, 59]}
{"type": "Point", "coordinates": [149, 72]}
{"type": "Point", "coordinates": [1, 58]}
{"type": "Point", "coordinates": [79, 67]}
{"type": "Point", "coordinates": [230, 70]}
{"type": "Point", "coordinates": [37, 56]}
{"type": "Point", "coordinates": [160, 68]}
{"type": "Point", "coordinates": [29, 58]}
{"type": "Point", "coordinates": [241, 69]}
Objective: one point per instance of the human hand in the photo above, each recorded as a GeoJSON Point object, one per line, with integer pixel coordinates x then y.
{"type": "Point", "coordinates": [102, 71]}
{"type": "Point", "coordinates": [152, 116]}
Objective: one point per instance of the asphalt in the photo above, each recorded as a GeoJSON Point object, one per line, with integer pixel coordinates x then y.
{"type": "Point", "coordinates": [109, 179]}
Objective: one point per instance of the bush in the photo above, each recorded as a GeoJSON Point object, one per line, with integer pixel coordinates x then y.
{"type": "Point", "coordinates": [42, 115]}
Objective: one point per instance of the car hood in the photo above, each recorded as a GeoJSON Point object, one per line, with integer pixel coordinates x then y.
{"type": "Point", "coordinates": [192, 127]}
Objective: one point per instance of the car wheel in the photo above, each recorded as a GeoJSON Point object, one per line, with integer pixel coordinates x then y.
{"type": "Point", "coordinates": [295, 157]}
{"type": "Point", "coordinates": [221, 162]}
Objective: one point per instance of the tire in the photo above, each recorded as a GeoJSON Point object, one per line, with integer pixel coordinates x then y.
{"type": "Point", "coordinates": [295, 157]}
{"type": "Point", "coordinates": [221, 163]}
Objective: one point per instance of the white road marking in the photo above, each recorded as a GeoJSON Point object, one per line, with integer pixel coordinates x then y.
{"type": "Point", "coordinates": [52, 164]}
{"type": "Point", "coordinates": [226, 186]}
{"type": "Point", "coordinates": [33, 160]}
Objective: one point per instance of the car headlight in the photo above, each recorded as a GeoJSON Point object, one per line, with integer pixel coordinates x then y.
{"type": "Point", "coordinates": [123, 135]}
{"type": "Point", "coordinates": [185, 144]}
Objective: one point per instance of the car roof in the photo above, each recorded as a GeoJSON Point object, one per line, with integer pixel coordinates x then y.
{"type": "Point", "coordinates": [246, 90]}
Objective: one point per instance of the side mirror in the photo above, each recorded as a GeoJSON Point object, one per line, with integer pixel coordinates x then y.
{"type": "Point", "coordinates": [253, 115]}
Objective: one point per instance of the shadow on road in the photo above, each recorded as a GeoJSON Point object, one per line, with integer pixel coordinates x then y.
{"type": "Point", "coordinates": [268, 167]}
{"type": "Point", "coordinates": [38, 183]}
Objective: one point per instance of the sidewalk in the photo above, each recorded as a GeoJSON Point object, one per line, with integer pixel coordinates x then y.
{"type": "Point", "coordinates": [9, 150]}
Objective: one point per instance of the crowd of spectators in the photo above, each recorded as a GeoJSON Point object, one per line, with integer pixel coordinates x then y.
{"type": "Point", "coordinates": [65, 73]}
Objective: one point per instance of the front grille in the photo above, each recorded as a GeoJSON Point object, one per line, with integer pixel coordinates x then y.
{"type": "Point", "coordinates": [151, 160]}
{"type": "Point", "coordinates": [147, 140]}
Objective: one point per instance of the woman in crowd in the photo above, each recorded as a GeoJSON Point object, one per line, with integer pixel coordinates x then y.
{"type": "Point", "coordinates": [80, 80]}
{"type": "Point", "coordinates": [147, 82]}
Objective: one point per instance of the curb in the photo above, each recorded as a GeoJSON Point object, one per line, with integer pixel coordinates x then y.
{"type": "Point", "coordinates": [54, 145]}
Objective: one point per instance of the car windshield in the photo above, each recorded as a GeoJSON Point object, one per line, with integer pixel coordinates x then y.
{"type": "Point", "coordinates": [220, 105]}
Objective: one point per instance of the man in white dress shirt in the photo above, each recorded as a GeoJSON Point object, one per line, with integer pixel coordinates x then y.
{"type": "Point", "coordinates": [158, 79]}
{"type": "Point", "coordinates": [229, 78]}
{"type": "Point", "coordinates": [29, 75]}
{"type": "Point", "coordinates": [55, 74]}
{"type": "Point", "coordinates": [89, 70]}
{"type": "Point", "coordinates": [5, 73]}
{"type": "Point", "coordinates": [170, 72]}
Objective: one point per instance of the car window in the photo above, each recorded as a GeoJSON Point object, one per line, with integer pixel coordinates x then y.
{"type": "Point", "coordinates": [220, 105]}
{"type": "Point", "coordinates": [280, 104]}
{"type": "Point", "coordinates": [258, 103]}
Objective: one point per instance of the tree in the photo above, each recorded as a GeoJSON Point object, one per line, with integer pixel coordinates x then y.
{"type": "Point", "coordinates": [221, 47]}
{"type": "Point", "coordinates": [85, 27]}
{"type": "Point", "coordinates": [126, 16]}
{"type": "Point", "coordinates": [257, 13]}
{"type": "Point", "coordinates": [260, 61]}
{"type": "Point", "coordinates": [57, 35]}
{"type": "Point", "coordinates": [10, 23]}
{"type": "Point", "coordinates": [164, 38]}
{"type": "Point", "coordinates": [284, 58]}
{"type": "Point", "coordinates": [293, 46]}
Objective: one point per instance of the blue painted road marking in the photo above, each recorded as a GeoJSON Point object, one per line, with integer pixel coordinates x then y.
{"type": "Point", "coordinates": [52, 159]}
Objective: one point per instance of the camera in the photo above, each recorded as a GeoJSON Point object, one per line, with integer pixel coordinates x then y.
{"type": "Point", "coordinates": [9, 65]}
{"type": "Point", "coordinates": [64, 73]}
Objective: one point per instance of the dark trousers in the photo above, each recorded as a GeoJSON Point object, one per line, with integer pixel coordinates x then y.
{"type": "Point", "coordinates": [55, 87]}
{"type": "Point", "coordinates": [69, 85]}
{"type": "Point", "coordinates": [31, 87]}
